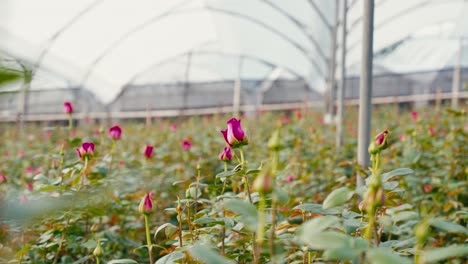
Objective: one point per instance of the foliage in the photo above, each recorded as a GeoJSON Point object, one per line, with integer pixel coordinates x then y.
{"type": "Point", "coordinates": [56, 208]}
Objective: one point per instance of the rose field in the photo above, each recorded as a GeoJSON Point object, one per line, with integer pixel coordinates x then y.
{"type": "Point", "coordinates": [220, 189]}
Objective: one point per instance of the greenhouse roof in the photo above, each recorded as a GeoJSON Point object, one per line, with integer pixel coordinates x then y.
{"type": "Point", "coordinates": [104, 45]}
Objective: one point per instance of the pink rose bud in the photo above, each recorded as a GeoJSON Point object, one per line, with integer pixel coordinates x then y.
{"type": "Point", "coordinates": [431, 131]}
{"type": "Point", "coordinates": [146, 204]}
{"type": "Point", "coordinates": [186, 145]}
{"type": "Point", "coordinates": [121, 163]}
{"type": "Point", "coordinates": [234, 134]}
{"type": "Point", "coordinates": [402, 137]}
{"type": "Point", "coordinates": [381, 138]}
{"type": "Point", "coordinates": [86, 151]}
{"type": "Point", "coordinates": [29, 186]}
{"type": "Point", "coordinates": [3, 178]}
{"type": "Point", "coordinates": [427, 188]}
{"type": "Point", "coordinates": [115, 132]}
{"type": "Point", "coordinates": [7, 154]}
{"type": "Point", "coordinates": [68, 108]}
{"type": "Point", "coordinates": [21, 154]}
{"type": "Point", "coordinates": [29, 170]}
{"type": "Point", "coordinates": [148, 151]}
{"type": "Point", "coordinates": [226, 154]}
{"type": "Point", "coordinates": [174, 127]}
{"type": "Point", "coordinates": [289, 179]}
{"type": "Point", "coordinates": [415, 116]}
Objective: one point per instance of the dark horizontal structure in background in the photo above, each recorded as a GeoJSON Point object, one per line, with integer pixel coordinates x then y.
{"type": "Point", "coordinates": [137, 101]}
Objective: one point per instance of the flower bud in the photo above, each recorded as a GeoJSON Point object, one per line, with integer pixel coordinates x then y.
{"type": "Point", "coordinates": [98, 250]}
{"type": "Point", "coordinates": [3, 178]}
{"type": "Point", "coordinates": [68, 108]}
{"type": "Point", "coordinates": [427, 188]}
{"type": "Point", "coordinates": [415, 116]}
{"type": "Point", "coordinates": [381, 139]}
{"type": "Point", "coordinates": [263, 183]}
{"type": "Point", "coordinates": [380, 143]}
{"type": "Point", "coordinates": [115, 132]}
{"type": "Point", "coordinates": [86, 151]}
{"type": "Point", "coordinates": [234, 134]}
{"type": "Point", "coordinates": [148, 151]}
{"type": "Point", "coordinates": [289, 179]}
{"type": "Point", "coordinates": [275, 141]}
{"type": "Point", "coordinates": [186, 145]}
{"type": "Point", "coordinates": [146, 205]}
{"type": "Point", "coordinates": [373, 149]}
{"type": "Point", "coordinates": [226, 154]}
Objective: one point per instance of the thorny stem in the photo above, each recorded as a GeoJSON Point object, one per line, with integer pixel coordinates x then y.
{"type": "Point", "coordinates": [223, 233]}
{"type": "Point", "coordinates": [189, 222]}
{"type": "Point", "coordinates": [83, 172]}
{"type": "Point", "coordinates": [70, 124]}
{"type": "Point", "coordinates": [274, 172]}
{"type": "Point", "coordinates": [260, 226]}
{"type": "Point", "coordinates": [148, 239]}
{"type": "Point", "coordinates": [62, 238]}
{"type": "Point", "coordinates": [179, 218]}
{"type": "Point", "coordinates": [374, 186]}
{"type": "Point", "coordinates": [242, 158]}
{"type": "Point", "coordinates": [245, 179]}
{"type": "Point", "coordinates": [111, 156]}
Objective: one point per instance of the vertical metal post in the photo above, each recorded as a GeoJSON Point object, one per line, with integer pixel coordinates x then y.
{"type": "Point", "coordinates": [365, 92]}
{"type": "Point", "coordinates": [237, 90]}
{"type": "Point", "coordinates": [456, 82]}
{"type": "Point", "coordinates": [342, 84]}
{"type": "Point", "coordinates": [24, 95]}
{"type": "Point", "coordinates": [331, 80]}
{"type": "Point", "coordinates": [187, 79]}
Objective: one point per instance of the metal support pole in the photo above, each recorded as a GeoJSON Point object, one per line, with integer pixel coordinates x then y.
{"type": "Point", "coordinates": [342, 84]}
{"type": "Point", "coordinates": [456, 83]}
{"type": "Point", "coordinates": [23, 101]}
{"type": "Point", "coordinates": [237, 91]}
{"type": "Point", "coordinates": [187, 79]}
{"type": "Point", "coordinates": [365, 93]}
{"type": "Point", "coordinates": [331, 77]}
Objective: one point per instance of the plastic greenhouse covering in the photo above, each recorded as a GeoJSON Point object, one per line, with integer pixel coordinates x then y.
{"type": "Point", "coordinates": [103, 45]}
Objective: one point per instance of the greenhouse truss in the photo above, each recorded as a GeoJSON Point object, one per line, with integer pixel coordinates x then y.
{"type": "Point", "coordinates": [124, 55]}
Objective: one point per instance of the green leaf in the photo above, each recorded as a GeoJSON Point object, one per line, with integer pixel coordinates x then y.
{"type": "Point", "coordinates": [337, 197]}
{"type": "Point", "coordinates": [8, 76]}
{"type": "Point", "coordinates": [405, 216]}
{"type": "Point", "coordinates": [171, 258]}
{"type": "Point", "coordinates": [281, 195]}
{"type": "Point", "coordinates": [207, 255]}
{"type": "Point", "coordinates": [448, 226]}
{"type": "Point", "coordinates": [252, 171]}
{"type": "Point", "coordinates": [208, 220]}
{"type": "Point", "coordinates": [318, 224]}
{"type": "Point", "coordinates": [122, 261]}
{"type": "Point", "coordinates": [168, 230]}
{"type": "Point", "coordinates": [439, 254]}
{"type": "Point", "coordinates": [226, 174]}
{"type": "Point", "coordinates": [341, 254]}
{"type": "Point", "coordinates": [326, 240]}
{"type": "Point", "coordinates": [384, 256]}
{"type": "Point", "coordinates": [398, 172]}
{"type": "Point", "coordinates": [90, 244]}
{"type": "Point", "coordinates": [247, 212]}
{"type": "Point", "coordinates": [315, 208]}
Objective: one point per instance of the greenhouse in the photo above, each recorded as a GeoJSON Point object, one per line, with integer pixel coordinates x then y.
{"type": "Point", "coordinates": [343, 131]}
